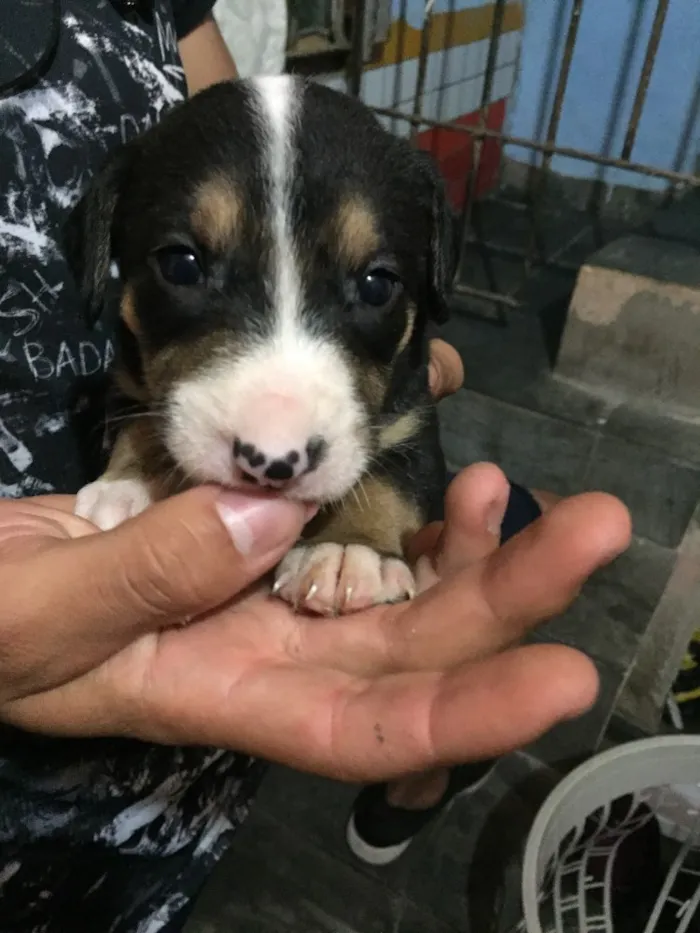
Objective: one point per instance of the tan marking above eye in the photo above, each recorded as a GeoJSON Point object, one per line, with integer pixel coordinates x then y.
{"type": "Point", "coordinates": [127, 310]}
{"type": "Point", "coordinates": [217, 215]}
{"type": "Point", "coordinates": [357, 231]}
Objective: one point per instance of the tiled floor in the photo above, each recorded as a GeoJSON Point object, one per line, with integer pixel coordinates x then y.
{"type": "Point", "coordinates": [289, 869]}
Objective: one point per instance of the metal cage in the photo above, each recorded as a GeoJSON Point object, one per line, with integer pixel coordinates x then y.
{"type": "Point", "coordinates": [493, 296]}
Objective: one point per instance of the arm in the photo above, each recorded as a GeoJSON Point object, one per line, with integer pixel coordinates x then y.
{"type": "Point", "coordinates": [205, 57]}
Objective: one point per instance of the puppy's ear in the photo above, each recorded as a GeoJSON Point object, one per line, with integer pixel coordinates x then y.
{"type": "Point", "coordinates": [88, 233]}
{"type": "Point", "coordinates": [443, 250]}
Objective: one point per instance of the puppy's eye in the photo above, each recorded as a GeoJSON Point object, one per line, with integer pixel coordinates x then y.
{"type": "Point", "coordinates": [377, 287]}
{"type": "Point", "coordinates": [179, 266]}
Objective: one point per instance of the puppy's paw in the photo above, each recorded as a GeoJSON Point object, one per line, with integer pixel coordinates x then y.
{"type": "Point", "coordinates": [107, 503]}
{"type": "Point", "coordinates": [333, 578]}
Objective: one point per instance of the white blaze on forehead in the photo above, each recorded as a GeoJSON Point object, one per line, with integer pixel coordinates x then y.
{"type": "Point", "coordinates": [291, 387]}
{"type": "Point", "coordinates": [278, 101]}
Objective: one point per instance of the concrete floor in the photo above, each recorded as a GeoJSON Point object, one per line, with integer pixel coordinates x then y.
{"type": "Point", "coordinates": [289, 869]}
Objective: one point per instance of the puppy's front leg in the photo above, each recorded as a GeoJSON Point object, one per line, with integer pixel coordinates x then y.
{"type": "Point", "coordinates": [123, 490]}
{"type": "Point", "coordinates": [352, 556]}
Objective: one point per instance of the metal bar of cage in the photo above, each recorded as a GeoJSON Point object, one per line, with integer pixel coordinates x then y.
{"type": "Point", "coordinates": [467, 218]}
{"type": "Point", "coordinates": [538, 181]}
{"type": "Point", "coordinates": [678, 178]}
{"type": "Point", "coordinates": [422, 65]}
{"type": "Point", "coordinates": [401, 48]}
{"type": "Point", "coordinates": [645, 77]}
{"type": "Point", "coordinates": [534, 254]}
{"type": "Point", "coordinates": [357, 48]}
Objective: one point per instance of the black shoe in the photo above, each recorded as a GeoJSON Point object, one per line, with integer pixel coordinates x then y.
{"type": "Point", "coordinates": [378, 833]}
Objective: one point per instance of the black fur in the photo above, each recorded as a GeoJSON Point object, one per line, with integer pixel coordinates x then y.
{"type": "Point", "coordinates": [144, 195]}
{"type": "Point", "coordinates": [88, 234]}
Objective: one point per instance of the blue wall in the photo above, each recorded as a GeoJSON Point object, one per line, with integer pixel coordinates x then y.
{"type": "Point", "coordinates": [605, 69]}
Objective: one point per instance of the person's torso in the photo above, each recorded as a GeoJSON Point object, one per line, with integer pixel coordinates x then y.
{"type": "Point", "coordinates": [94, 834]}
{"type": "Point", "coordinates": [109, 79]}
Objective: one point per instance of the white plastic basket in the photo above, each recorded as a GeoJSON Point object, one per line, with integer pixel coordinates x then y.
{"type": "Point", "coordinates": [664, 774]}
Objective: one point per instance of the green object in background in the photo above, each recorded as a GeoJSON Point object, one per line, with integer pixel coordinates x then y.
{"type": "Point", "coordinates": [683, 704]}
{"type": "Point", "coordinates": [686, 689]}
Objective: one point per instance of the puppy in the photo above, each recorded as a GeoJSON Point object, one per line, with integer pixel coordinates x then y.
{"type": "Point", "coordinates": [280, 258]}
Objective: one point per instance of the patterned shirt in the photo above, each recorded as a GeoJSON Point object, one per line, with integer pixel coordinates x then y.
{"type": "Point", "coordinates": [106, 836]}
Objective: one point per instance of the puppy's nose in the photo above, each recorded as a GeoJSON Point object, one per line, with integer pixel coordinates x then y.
{"type": "Point", "coordinates": [271, 469]}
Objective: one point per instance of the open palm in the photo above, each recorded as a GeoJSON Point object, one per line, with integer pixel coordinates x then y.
{"type": "Point", "coordinates": [377, 693]}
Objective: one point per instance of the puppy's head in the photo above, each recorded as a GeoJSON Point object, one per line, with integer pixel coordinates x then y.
{"type": "Point", "coordinates": [280, 254]}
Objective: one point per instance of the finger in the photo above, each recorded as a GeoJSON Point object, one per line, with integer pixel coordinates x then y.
{"type": "Point", "coordinates": [478, 711]}
{"type": "Point", "coordinates": [376, 730]}
{"type": "Point", "coordinates": [57, 502]}
{"type": "Point", "coordinates": [36, 520]}
{"type": "Point", "coordinates": [425, 543]}
{"type": "Point", "coordinates": [446, 370]}
{"type": "Point", "coordinates": [510, 700]}
{"type": "Point", "coordinates": [79, 601]}
{"type": "Point", "coordinates": [475, 504]}
{"type": "Point", "coordinates": [494, 603]}
{"type": "Point", "coordinates": [331, 723]}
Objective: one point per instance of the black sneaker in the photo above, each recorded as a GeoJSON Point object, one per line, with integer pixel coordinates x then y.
{"type": "Point", "coordinates": [378, 833]}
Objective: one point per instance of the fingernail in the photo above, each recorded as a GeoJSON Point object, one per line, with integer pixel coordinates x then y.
{"type": "Point", "coordinates": [494, 515]}
{"type": "Point", "coordinates": [258, 525]}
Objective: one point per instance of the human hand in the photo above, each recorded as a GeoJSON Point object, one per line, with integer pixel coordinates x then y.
{"type": "Point", "coordinates": [364, 697]}
{"type": "Point", "coordinates": [445, 369]}
{"type": "Point", "coordinates": [72, 597]}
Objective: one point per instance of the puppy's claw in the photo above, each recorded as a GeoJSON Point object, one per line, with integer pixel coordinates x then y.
{"type": "Point", "coordinates": [348, 596]}
{"type": "Point", "coordinates": [279, 583]}
{"type": "Point", "coordinates": [334, 579]}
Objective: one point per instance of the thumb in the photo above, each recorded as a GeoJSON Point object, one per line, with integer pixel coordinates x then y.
{"type": "Point", "coordinates": [179, 558]}
{"type": "Point", "coordinates": [81, 600]}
